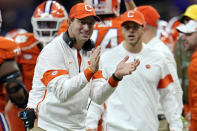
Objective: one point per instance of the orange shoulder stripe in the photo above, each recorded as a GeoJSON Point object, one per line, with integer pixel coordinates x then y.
{"type": "Point", "coordinates": [51, 74]}
{"type": "Point", "coordinates": [163, 83]}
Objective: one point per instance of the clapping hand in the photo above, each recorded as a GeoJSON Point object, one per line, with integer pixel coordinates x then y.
{"type": "Point", "coordinates": [124, 68]}
{"type": "Point", "coordinates": [94, 59]}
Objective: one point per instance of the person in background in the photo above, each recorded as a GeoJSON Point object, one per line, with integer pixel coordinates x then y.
{"type": "Point", "coordinates": [182, 56]}
{"type": "Point", "coordinates": [134, 104]}
{"type": "Point", "coordinates": [14, 32]}
{"type": "Point", "coordinates": [11, 84]}
{"type": "Point", "coordinates": [10, 36]}
{"type": "Point", "coordinates": [46, 20]}
{"type": "Point", "coordinates": [107, 33]}
{"type": "Point", "coordinates": [149, 37]}
{"type": "Point", "coordinates": [189, 37]}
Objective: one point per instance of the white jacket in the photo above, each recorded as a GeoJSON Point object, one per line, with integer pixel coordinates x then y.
{"type": "Point", "coordinates": [134, 104]}
{"type": "Point", "coordinates": [61, 88]}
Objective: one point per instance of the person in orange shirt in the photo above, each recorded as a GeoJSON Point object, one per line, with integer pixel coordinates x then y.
{"type": "Point", "coordinates": [11, 85]}
{"type": "Point", "coordinates": [13, 32]}
{"type": "Point", "coordinates": [63, 27]}
{"type": "Point", "coordinates": [189, 31]}
{"type": "Point", "coordinates": [108, 33]}
{"type": "Point", "coordinates": [46, 20]}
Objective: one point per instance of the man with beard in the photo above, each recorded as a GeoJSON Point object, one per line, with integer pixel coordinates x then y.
{"type": "Point", "coordinates": [190, 40]}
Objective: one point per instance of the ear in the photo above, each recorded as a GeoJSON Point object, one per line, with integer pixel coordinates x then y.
{"type": "Point", "coordinates": [122, 29]}
{"type": "Point", "coordinates": [145, 27]}
{"type": "Point", "coordinates": [69, 22]}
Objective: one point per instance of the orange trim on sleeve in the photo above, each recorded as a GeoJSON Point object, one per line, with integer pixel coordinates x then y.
{"type": "Point", "coordinates": [105, 106]}
{"type": "Point", "coordinates": [51, 74]}
{"type": "Point", "coordinates": [41, 100]}
{"type": "Point", "coordinates": [98, 75]}
{"type": "Point", "coordinates": [88, 73]}
{"type": "Point", "coordinates": [38, 105]}
{"type": "Point", "coordinates": [112, 82]}
{"type": "Point", "coordinates": [163, 83]}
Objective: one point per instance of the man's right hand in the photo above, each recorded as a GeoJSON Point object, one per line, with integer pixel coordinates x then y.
{"type": "Point", "coordinates": [94, 59]}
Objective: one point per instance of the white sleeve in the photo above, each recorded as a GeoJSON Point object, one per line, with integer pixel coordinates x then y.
{"type": "Point", "coordinates": [177, 87]}
{"type": "Point", "coordinates": [64, 87]}
{"type": "Point", "coordinates": [101, 88]}
{"type": "Point", "coordinates": [54, 74]}
{"type": "Point", "coordinates": [37, 92]}
{"type": "Point", "coordinates": [94, 115]}
{"type": "Point", "coordinates": [35, 96]}
{"type": "Point", "coordinates": [168, 99]}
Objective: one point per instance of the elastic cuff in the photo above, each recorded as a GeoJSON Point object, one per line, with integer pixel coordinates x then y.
{"type": "Point", "coordinates": [112, 82]}
{"type": "Point", "coordinates": [116, 78]}
{"type": "Point", "coordinates": [88, 73]}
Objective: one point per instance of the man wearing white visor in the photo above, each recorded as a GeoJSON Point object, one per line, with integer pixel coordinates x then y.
{"type": "Point", "coordinates": [189, 31]}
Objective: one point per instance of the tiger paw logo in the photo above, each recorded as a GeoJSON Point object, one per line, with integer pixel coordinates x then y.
{"type": "Point", "coordinates": [54, 73]}
{"type": "Point", "coordinates": [27, 56]}
{"type": "Point", "coordinates": [88, 8]}
{"type": "Point", "coordinates": [148, 66]}
{"type": "Point", "coordinates": [89, 63]}
{"type": "Point", "coordinates": [21, 39]}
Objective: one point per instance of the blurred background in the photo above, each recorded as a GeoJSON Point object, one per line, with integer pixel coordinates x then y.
{"type": "Point", "coordinates": [17, 13]}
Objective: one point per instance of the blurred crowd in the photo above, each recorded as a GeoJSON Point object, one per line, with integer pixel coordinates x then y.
{"type": "Point", "coordinates": [17, 14]}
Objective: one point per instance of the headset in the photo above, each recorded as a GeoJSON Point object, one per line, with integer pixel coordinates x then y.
{"type": "Point", "coordinates": [89, 44]}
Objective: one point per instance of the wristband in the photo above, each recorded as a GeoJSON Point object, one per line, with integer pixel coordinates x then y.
{"type": "Point", "coordinates": [127, 0]}
{"type": "Point", "coordinates": [115, 78]}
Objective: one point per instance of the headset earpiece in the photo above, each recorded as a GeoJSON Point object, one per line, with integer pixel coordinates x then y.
{"type": "Point", "coordinates": [68, 40]}
{"type": "Point", "coordinates": [88, 45]}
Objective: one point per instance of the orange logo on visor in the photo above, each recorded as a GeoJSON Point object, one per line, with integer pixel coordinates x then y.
{"type": "Point", "coordinates": [88, 8]}
{"type": "Point", "coordinates": [54, 73]}
{"type": "Point", "coordinates": [130, 14]}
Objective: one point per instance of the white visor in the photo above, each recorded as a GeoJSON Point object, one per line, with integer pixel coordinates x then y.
{"type": "Point", "coordinates": [190, 27]}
